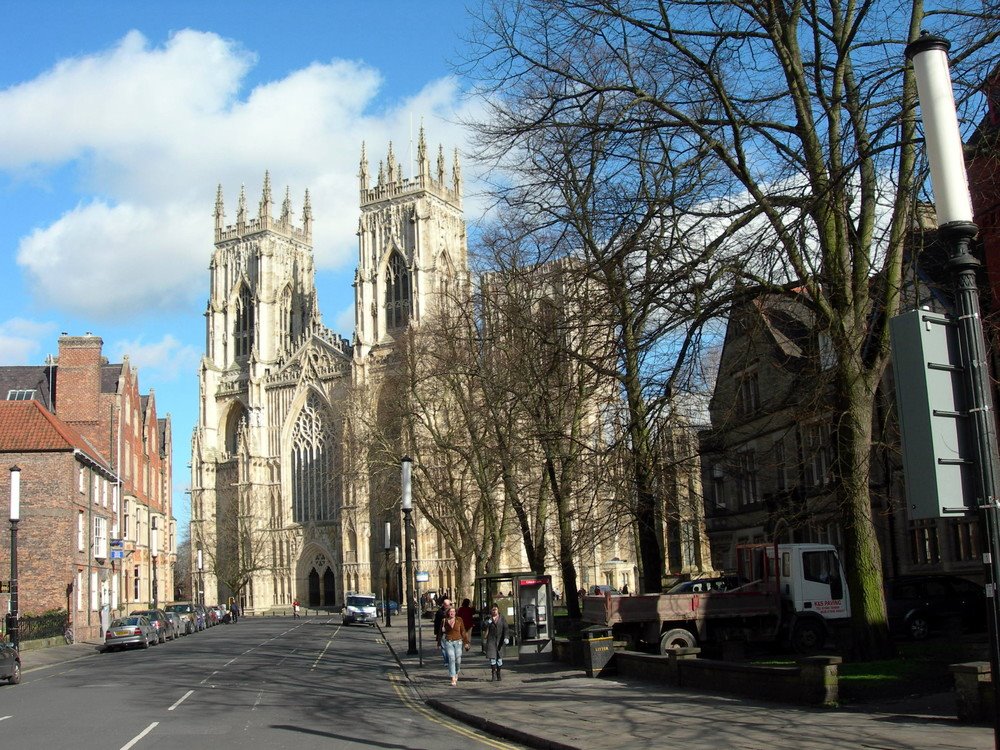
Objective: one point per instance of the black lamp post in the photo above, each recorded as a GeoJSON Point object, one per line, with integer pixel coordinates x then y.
{"type": "Point", "coordinates": [15, 516]}
{"type": "Point", "coordinates": [154, 553]}
{"type": "Point", "coordinates": [388, 549]}
{"type": "Point", "coordinates": [955, 226]}
{"type": "Point", "coordinates": [406, 465]}
{"type": "Point", "coordinates": [201, 579]}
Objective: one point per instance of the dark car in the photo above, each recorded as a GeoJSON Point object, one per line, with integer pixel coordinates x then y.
{"type": "Point", "coordinates": [10, 663]}
{"type": "Point", "coordinates": [158, 619]}
{"type": "Point", "coordinates": [920, 605]}
{"type": "Point", "coordinates": [393, 607]}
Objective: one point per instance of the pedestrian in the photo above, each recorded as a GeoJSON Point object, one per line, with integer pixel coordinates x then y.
{"type": "Point", "coordinates": [497, 636]}
{"type": "Point", "coordinates": [438, 620]}
{"type": "Point", "coordinates": [295, 609]}
{"type": "Point", "coordinates": [234, 610]}
{"type": "Point", "coordinates": [467, 614]}
{"type": "Point", "coordinates": [625, 590]}
{"type": "Point", "coordinates": [456, 639]}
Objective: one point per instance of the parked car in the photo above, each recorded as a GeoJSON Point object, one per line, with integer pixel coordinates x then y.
{"type": "Point", "coordinates": [359, 608]}
{"type": "Point", "coordinates": [187, 614]}
{"type": "Point", "coordinates": [10, 663]}
{"type": "Point", "coordinates": [920, 605]}
{"type": "Point", "coordinates": [393, 607]}
{"type": "Point", "coordinates": [134, 630]}
{"type": "Point", "coordinates": [158, 619]}
{"type": "Point", "coordinates": [603, 589]}
{"type": "Point", "coordinates": [176, 624]}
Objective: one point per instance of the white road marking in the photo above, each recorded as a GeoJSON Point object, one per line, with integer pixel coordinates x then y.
{"type": "Point", "coordinates": [325, 648]}
{"type": "Point", "coordinates": [141, 734]}
{"type": "Point", "coordinates": [256, 703]}
{"type": "Point", "coordinates": [5, 717]}
{"type": "Point", "coordinates": [209, 677]}
{"type": "Point", "coordinates": [181, 700]}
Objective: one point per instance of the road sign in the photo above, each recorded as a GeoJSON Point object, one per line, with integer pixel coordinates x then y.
{"type": "Point", "coordinates": [423, 576]}
{"type": "Point", "coordinates": [117, 554]}
{"type": "Point", "coordinates": [117, 543]}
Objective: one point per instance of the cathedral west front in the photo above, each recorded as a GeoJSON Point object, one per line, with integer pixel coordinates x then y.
{"type": "Point", "coordinates": [283, 504]}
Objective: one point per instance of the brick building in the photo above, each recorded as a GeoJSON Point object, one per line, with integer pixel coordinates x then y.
{"type": "Point", "coordinates": [101, 403]}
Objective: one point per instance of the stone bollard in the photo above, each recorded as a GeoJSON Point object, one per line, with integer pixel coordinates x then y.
{"type": "Point", "coordinates": [675, 655]}
{"type": "Point", "coordinates": [973, 698]}
{"type": "Point", "coordinates": [820, 680]}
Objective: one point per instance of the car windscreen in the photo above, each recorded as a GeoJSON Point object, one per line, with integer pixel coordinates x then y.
{"type": "Point", "coordinates": [360, 601]}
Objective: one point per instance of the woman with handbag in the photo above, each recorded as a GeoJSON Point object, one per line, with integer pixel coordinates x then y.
{"type": "Point", "coordinates": [497, 636]}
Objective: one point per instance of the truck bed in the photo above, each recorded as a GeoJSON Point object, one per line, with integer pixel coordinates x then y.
{"type": "Point", "coordinates": [747, 601]}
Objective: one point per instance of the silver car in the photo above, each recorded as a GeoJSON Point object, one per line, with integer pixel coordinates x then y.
{"type": "Point", "coordinates": [134, 630]}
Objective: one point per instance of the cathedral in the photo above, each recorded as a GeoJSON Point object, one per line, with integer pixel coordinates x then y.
{"type": "Point", "coordinates": [280, 507]}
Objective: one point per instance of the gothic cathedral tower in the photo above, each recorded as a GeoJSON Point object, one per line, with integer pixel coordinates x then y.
{"type": "Point", "coordinates": [283, 502]}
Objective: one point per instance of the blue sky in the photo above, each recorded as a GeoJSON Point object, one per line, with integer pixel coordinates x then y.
{"type": "Point", "coordinates": [119, 119]}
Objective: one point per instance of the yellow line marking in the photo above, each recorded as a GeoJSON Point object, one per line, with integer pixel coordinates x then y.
{"type": "Point", "coordinates": [403, 693]}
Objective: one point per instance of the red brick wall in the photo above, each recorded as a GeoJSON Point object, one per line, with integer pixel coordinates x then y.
{"type": "Point", "coordinates": [78, 381]}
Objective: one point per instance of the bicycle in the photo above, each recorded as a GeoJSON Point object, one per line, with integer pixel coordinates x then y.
{"type": "Point", "coordinates": [68, 635]}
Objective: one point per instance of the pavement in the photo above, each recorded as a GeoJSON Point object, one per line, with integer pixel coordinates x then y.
{"type": "Point", "coordinates": [552, 706]}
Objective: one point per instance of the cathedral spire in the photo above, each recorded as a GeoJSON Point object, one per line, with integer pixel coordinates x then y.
{"type": "Point", "coordinates": [307, 216]}
{"type": "Point", "coordinates": [381, 174]}
{"type": "Point", "coordinates": [440, 164]}
{"type": "Point", "coordinates": [241, 207]}
{"type": "Point", "coordinates": [423, 163]}
{"type": "Point", "coordinates": [220, 210]}
{"type": "Point", "coordinates": [390, 164]}
{"type": "Point", "coordinates": [265, 198]}
{"type": "Point", "coordinates": [456, 174]}
{"type": "Point", "coordinates": [363, 171]}
{"type": "Point", "coordinates": [286, 207]}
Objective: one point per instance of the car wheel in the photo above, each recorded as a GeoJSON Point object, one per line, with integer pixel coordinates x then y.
{"type": "Point", "coordinates": [808, 636]}
{"type": "Point", "coordinates": [677, 638]}
{"type": "Point", "coordinates": [15, 674]}
{"type": "Point", "coordinates": [145, 642]}
{"type": "Point", "coordinates": [918, 627]}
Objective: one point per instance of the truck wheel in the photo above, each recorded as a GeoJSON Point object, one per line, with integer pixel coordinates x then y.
{"type": "Point", "coordinates": [918, 627]}
{"type": "Point", "coordinates": [677, 638]}
{"type": "Point", "coordinates": [808, 636]}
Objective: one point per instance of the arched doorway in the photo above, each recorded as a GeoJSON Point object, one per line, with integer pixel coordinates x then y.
{"type": "Point", "coordinates": [329, 589]}
{"type": "Point", "coordinates": [314, 588]}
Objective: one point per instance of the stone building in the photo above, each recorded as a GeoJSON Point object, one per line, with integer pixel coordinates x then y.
{"type": "Point", "coordinates": [281, 508]}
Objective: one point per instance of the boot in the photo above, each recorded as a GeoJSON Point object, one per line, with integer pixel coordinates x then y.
{"type": "Point", "coordinates": [498, 673]}
{"type": "Point", "coordinates": [493, 673]}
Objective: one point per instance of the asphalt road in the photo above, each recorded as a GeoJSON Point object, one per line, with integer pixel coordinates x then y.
{"type": "Point", "coordinates": [261, 683]}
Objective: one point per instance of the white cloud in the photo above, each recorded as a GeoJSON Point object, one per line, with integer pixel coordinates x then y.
{"type": "Point", "coordinates": [159, 361]}
{"type": "Point", "coordinates": [20, 340]}
{"type": "Point", "coordinates": [150, 131]}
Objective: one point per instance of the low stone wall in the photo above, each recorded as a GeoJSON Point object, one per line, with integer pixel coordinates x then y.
{"type": "Point", "coordinates": [813, 681]}
{"type": "Point", "coordinates": [974, 698]}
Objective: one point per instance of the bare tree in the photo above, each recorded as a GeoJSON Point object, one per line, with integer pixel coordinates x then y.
{"type": "Point", "coordinates": [793, 123]}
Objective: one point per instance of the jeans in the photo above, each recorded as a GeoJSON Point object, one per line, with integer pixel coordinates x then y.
{"type": "Point", "coordinates": [454, 651]}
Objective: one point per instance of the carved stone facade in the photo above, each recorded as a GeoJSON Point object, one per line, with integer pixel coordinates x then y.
{"type": "Point", "coordinates": [280, 508]}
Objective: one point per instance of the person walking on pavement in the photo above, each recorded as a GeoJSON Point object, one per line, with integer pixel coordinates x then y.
{"type": "Point", "coordinates": [295, 609]}
{"type": "Point", "coordinates": [438, 619]}
{"type": "Point", "coordinates": [467, 614]}
{"type": "Point", "coordinates": [497, 636]}
{"type": "Point", "coordinates": [456, 639]}
{"type": "Point", "coordinates": [234, 610]}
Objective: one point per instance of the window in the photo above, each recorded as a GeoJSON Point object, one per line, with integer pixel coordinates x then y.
{"type": "Point", "coordinates": [244, 328]}
{"type": "Point", "coordinates": [80, 527]}
{"type": "Point", "coordinates": [816, 450]}
{"type": "Point", "coordinates": [749, 493]}
{"type": "Point", "coordinates": [315, 485]}
{"type": "Point", "coordinates": [94, 592]}
{"type": "Point", "coordinates": [79, 589]}
{"type": "Point", "coordinates": [924, 547]}
{"type": "Point", "coordinates": [827, 355]}
{"type": "Point", "coordinates": [82, 483]}
{"type": "Point", "coordinates": [104, 492]}
{"type": "Point", "coordinates": [95, 489]}
{"type": "Point", "coordinates": [21, 394]}
{"type": "Point", "coordinates": [747, 393]}
{"type": "Point", "coordinates": [965, 540]}
{"type": "Point", "coordinates": [397, 293]}
{"type": "Point", "coordinates": [135, 584]}
{"type": "Point", "coordinates": [125, 519]}
{"type": "Point", "coordinates": [780, 466]}
{"type": "Point", "coordinates": [100, 537]}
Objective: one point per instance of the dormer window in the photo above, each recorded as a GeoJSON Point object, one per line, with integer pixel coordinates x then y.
{"type": "Point", "coordinates": [747, 393]}
{"type": "Point", "coordinates": [21, 394]}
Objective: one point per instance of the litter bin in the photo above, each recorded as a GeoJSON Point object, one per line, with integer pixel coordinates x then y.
{"type": "Point", "coordinates": [598, 648]}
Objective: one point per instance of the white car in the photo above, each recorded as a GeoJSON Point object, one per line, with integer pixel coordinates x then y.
{"type": "Point", "coordinates": [360, 608]}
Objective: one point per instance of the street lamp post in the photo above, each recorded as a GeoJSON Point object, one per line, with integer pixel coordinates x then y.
{"type": "Point", "coordinates": [406, 465]}
{"type": "Point", "coordinates": [154, 553]}
{"type": "Point", "coordinates": [388, 549]}
{"type": "Point", "coordinates": [956, 228]}
{"type": "Point", "coordinates": [201, 579]}
{"type": "Point", "coordinates": [15, 516]}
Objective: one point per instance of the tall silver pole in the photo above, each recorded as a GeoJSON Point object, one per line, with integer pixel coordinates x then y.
{"type": "Point", "coordinates": [406, 465]}
{"type": "Point", "coordinates": [956, 228]}
{"type": "Point", "coordinates": [15, 516]}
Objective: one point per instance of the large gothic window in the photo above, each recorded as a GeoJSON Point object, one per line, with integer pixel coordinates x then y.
{"type": "Point", "coordinates": [397, 293]}
{"type": "Point", "coordinates": [243, 333]}
{"type": "Point", "coordinates": [315, 485]}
